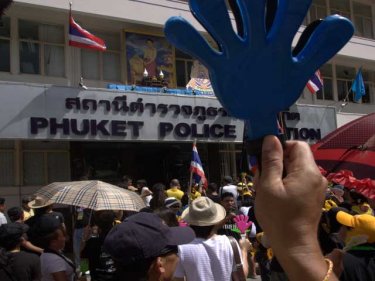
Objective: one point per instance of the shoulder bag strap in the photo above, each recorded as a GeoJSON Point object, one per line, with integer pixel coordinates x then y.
{"type": "Point", "coordinates": [69, 262]}
{"type": "Point", "coordinates": [239, 274]}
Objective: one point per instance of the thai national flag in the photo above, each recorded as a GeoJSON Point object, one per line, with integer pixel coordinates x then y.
{"type": "Point", "coordinates": [315, 83]}
{"type": "Point", "coordinates": [197, 169]}
{"type": "Point", "coordinates": [81, 38]}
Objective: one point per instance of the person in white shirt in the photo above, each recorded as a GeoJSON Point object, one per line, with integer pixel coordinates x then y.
{"type": "Point", "coordinates": [209, 257]}
{"type": "Point", "coordinates": [229, 187]}
{"type": "Point", "coordinates": [3, 219]}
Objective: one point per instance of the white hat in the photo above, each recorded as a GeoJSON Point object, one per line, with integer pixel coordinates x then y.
{"type": "Point", "coordinates": [171, 201]}
{"type": "Point", "coordinates": [203, 212]}
{"type": "Point", "coordinates": [39, 202]}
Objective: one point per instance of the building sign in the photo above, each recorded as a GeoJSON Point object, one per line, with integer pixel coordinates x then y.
{"type": "Point", "coordinates": [63, 113]}
{"type": "Point", "coordinates": [309, 123]}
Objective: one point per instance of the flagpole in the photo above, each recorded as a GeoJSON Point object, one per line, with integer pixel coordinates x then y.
{"type": "Point", "coordinates": [191, 177]}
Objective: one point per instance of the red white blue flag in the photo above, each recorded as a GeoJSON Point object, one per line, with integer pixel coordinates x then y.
{"type": "Point", "coordinates": [196, 168]}
{"type": "Point", "coordinates": [81, 38]}
{"type": "Point", "coordinates": [315, 83]}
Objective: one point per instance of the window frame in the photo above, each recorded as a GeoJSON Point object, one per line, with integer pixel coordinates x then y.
{"type": "Point", "coordinates": [101, 59]}
{"type": "Point", "coordinates": [42, 44]}
{"type": "Point", "coordinates": [9, 39]}
{"type": "Point", "coordinates": [45, 164]}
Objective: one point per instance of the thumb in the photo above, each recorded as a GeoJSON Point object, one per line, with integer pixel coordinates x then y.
{"type": "Point", "coordinates": [272, 159]}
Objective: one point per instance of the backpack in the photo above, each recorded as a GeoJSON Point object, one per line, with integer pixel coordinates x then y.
{"type": "Point", "coordinates": [6, 273]}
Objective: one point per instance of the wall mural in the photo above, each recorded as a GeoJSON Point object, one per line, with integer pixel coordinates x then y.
{"type": "Point", "coordinates": [150, 52]}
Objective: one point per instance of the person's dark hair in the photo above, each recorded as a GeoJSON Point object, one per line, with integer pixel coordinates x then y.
{"type": "Point", "coordinates": [202, 231]}
{"type": "Point", "coordinates": [212, 187]}
{"type": "Point", "coordinates": [11, 243]}
{"type": "Point", "coordinates": [42, 211]}
{"type": "Point", "coordinates": [225, 195]}
{"type": "Point", "coordinates": [142, 182]}
{"type": "Point", "coordinates": [14, 213]}
{"type": "Point", "coordinates": [167, 215]}
{"type": "Point", "coordinates": [357, 197]}
{"type": "Point", "coordinates": [26, 199]}
{"type": "Point", "coordinates": [158, 196]}
{"type": "Point", "coordinates": [126, 178]}
{"type": "Point", "coordinates": [47, 239]}
{"type": "Point", "coordinates": [2, 201]}
{"type": "Point", "coordinates": [104, 220]}
{"type": "Point", "coordinates": [227, 179]}
{"type": "Point", "coordinates": [247, 201]}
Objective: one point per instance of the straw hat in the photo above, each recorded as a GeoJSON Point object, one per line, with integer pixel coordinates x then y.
{"type": "Point", "coordinates": [203, 212]}
{"type": "Point", "coordinates": [39, 202]}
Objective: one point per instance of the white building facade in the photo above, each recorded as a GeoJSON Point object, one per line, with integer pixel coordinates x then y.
{"type": "Point", "coordinates": [35, 60]}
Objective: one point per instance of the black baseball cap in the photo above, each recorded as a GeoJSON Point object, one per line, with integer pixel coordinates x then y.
{"type": "Point", "coordinates": [46, 224]}
{"type": "Point", "coordinates": [144, 236]}
{"type": "Point", "coordinates": [11, 232]}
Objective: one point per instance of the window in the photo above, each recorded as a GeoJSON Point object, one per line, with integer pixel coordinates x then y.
{"type": "Point", "coordinates": [326, 93]}
{"type": "Point", "coordinates": [7, 163]}
{"type": "Point", "coordinates": [363, 20]}
{"type": "Point", "coordinates": [345, 76]}
{"type": "Point", "coordinates": [184, 63]}
{"type": "Point", "coordinates": [5, 44]}
{"type": "Point", "coordinates": [42, 49]}
{"type": "Point", "coordinates": [45, 162]}
{"type": "Point", "coordinates": [318, 10]}
{"type": "Point", "coordinates": [103, 66]}
{"type": "Point", "coordinates": [341, 7]}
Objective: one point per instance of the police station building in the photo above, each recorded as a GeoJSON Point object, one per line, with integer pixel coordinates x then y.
{"type": "Point", "coordinates": [67, 112]}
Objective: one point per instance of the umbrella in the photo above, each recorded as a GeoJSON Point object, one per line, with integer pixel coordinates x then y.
{"type": "Point", "coordinates": [350, 147]}
{"type": "Point", "coordinates": [348, 155]}
{"type": "Point", "coordinates": [95, 195]}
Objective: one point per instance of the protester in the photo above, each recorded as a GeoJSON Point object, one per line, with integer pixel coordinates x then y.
{"type": "Point", "coordinates": [175, 190]}
{"type": "Point", "coordinates": [159, 196]}
{"type": "Point", "coordinates": [228, 186]}
{"type": "Point", "coordinates": [167, 215]}
{"type": "Point", "coordinates": [22, 266]}
{"type": "Point", "coordinates": [81, 220]}
{"type": "Point", "coordinates": [229, 227]}
{"type": "Point", "coordinates": [55, 266]}
{"type": "Point", "coordinates": [27, 211]}
{"type": "Point", "coordinates": [332, 236]}
{"type": "Point", "coordinates": [42, 208]}
{"type": "Point", "coordinates": [144, 191]}
{"type": "Point", "coordinates": [209, 257]}
{"type": "Point", "coordinates": [173, 204]}
{"type": "Point", "coordinates": [16, 215]}
{"type": "Point", "coordinates": [212, 193]}
{"type": "Point", "coordinates": [101, 265]}
{"type": "Point", "coordinates": [3, 219]}
{"type": "Point", "coordinates": [360, 203]}
{"type": "Point", "coordinates": [145, 248]}
{"type": "Point", "coordinates": [338, 192]}
{"type": "Point", "coordinates": [127, 183]}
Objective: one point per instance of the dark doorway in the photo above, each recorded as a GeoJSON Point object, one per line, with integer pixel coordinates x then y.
{"type": "Point", "coordinates": [155, 162]}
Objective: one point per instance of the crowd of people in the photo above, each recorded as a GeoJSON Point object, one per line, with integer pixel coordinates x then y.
{"type": "Point", "coordinates": [300, 227]}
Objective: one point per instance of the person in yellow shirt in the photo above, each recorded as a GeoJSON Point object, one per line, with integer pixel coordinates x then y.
{"type": "Point", "coordinates": [27, 211]}
{"type": "Point", "coordinates": [174, 190]}
{"type": "Point", "coordinates": [194, 192]}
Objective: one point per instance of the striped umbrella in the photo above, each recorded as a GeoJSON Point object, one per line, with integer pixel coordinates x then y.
{"type": "Point", "coordinates": [95, 195]}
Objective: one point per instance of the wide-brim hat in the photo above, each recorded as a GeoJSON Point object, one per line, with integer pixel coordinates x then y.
{"type": "Point", "coordinates": [203, 212]}
{"type": "Point", "coordinates": [39, 202]}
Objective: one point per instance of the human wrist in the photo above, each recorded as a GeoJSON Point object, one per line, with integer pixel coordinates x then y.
{"type": "Point", "coordinates": [304, 262]}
